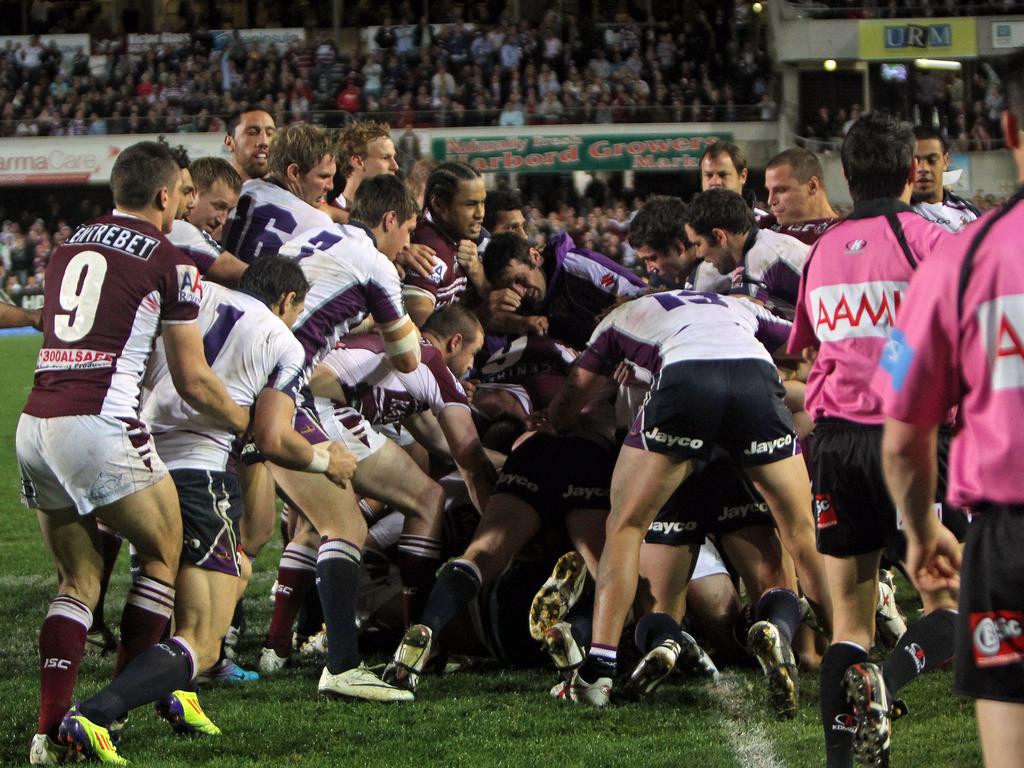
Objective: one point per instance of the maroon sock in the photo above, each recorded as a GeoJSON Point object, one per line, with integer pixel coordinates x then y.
{"type": "Point", "coordinates": [418, 560]}
{"type": "Point", "coordinates": [147, 612]}
{"type": "Point", "coordinates": [61, 646]}
{"type": "Point", "coordinates": [295, 577]}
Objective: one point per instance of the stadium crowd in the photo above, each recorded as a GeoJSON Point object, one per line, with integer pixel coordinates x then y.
{"type": "Point", "coordinates": [560, 71]}
{"type": "Point", "coordinates": [450, 390]}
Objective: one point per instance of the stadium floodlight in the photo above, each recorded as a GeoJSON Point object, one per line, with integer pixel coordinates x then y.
{"type": "Point", "coordinates": [830, 65]}
{"type": "Point", "coordinates": [954, 66]}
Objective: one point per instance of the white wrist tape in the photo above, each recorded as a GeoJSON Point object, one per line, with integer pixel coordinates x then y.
{"type": "Point", "coordinates": [321, 460]}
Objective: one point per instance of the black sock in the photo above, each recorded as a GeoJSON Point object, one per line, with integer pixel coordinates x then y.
{"type": "Point", "coordinates": [782, 608]}
{"type": "Point", "coordinates": [654, 629]}
{"type": "Point", "coordinates": [154, 673]}
{"type": "Point", "coordinates": [310, 618]}
{"type": "Point", "coordinates": [337, 579]}
{"type": "Point", "coordinates": [457, 584]}
{"type": "Point", "coordinates": [238, 617]}
{"type": "Point", "coordinates": [929, 643]}
{"type": "Point", "coordinates": [600, 662]}
{"type": "Point", "coordinates": [582, 623]}
{"type": "Point", "coordinates": [836, 715]}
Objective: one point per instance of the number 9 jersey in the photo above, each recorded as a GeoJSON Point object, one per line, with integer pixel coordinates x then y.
{"type": "Point", "coordinates": [109, 288]}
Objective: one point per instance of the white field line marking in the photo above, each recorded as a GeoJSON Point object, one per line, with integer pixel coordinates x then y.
{"type": "Point", "coordinates": [748, 739]}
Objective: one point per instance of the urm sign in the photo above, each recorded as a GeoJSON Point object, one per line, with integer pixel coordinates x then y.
{"type": "Point", "coordinates": [919, 36]}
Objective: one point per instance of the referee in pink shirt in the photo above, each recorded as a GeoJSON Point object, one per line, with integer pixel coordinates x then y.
{"type": "Point", "coordinates": [960, 342]}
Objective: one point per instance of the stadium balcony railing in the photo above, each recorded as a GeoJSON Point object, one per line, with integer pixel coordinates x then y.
{"type": "Point", "coordinates": [836, 9]}
{"type": "Point", "coordinates": [434, 118]}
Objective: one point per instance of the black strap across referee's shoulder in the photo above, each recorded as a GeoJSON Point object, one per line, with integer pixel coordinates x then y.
{"type": "Point", "coordinates": [972, 249]}
{"type": "Point", "coordinates": [901, 237]}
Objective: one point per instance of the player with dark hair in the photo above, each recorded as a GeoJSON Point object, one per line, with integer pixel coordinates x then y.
{"type": "Point", "coordinates": [945, 352]}
{"type": "Point", "coordinates": [931, 198]}
{"type": "Point", "coordinates": [761, 263]}
{"type": "Point", "coordinates": [248, 136]}
{"type": "Point", "coordinates": [247, 341]}
{"type": "Point", "coordinates": [561, 291]}
{"type": "Point", "coordinates": [452, 225]}
{"type": "Point", "coordinates": [352, 275]}
{"type": "Point", "coordinates": [504, 212]}
{"type": "Point", "coordinates": [852, 285]}
{"type": "Point", "coordinates": [111, 287]}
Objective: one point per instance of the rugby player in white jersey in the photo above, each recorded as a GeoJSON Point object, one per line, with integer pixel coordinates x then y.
{"type": "Point", "coordinates": [366, 393]}
{"type": "Point", "coordinates": [930, 197]}
{"type": "Point", "coordinates": [277, 207]}
{"type": "Point", "coordinates": [715, 384]}
{"type": "Point", "coordinates": [352, 276]}
{"type": "Point", "coordinates": [218, 186]}
{"type": "Point", "coordinates": [110, 287]}
{"type": "Point", "coordinates": [214, 262]}
{"type": "Point", "coordinates": [248, 344]}
{"type": "Point", "coordinates": [249, 133]}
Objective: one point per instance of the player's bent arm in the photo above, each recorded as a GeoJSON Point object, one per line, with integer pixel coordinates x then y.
{"type": "Point", "coordinates": [579, 389]}
{"type": "Point", "coordinates": [402, 344]}
{"type": "Point", "coordinates": [425, 428]}
{"type": "Point", "coordinates": [419, 306]}
{"type": "Point", "coordinates": [464, 442]}
{"type": "Point", "coordinates": [16, 317]}
{"type": "Point", "coordinates": [193, 379]}
{"type": "Point", "coordinates": [277, 440]}
{"type": "Point", "coordinates": [323, 382]}
{"type": "Point", "coordinates": [226, 270]}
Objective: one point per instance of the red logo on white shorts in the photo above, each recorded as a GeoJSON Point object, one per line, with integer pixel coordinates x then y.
{"type": "Point", "coordinates": [997, 637]}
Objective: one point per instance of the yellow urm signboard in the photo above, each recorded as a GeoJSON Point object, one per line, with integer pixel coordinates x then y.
{"type": "Point", "coordinates": [918, 38]}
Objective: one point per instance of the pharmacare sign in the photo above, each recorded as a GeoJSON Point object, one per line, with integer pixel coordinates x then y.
{"type": "Point", "coordinates": [83, 159]}
{"type": "Point", "coordinates": [917, 38]}
{"type": "Point", "coordinates": [572, 152]}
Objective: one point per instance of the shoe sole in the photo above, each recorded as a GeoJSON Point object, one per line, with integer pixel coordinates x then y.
{"type": "Point", "coordinates": [562, 650]}
{"type": "Point", "coordinates": [180, 725]}
{"type": "Point", "coordinates": [404, 670]}
{"type": "Point", "coordinates": [377, 694]}
{"type": "Point", "coordinates": [781, 682]}
{"type": "Point", "coordinates": [871, 739]}
{"type": "Point", "coordinates": [650, 673]}
{"type": "Point", "coordinates": [558, 594]}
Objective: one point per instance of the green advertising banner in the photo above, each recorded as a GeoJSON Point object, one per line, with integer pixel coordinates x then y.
{"type": "Point", "coordinates": [571, 152]}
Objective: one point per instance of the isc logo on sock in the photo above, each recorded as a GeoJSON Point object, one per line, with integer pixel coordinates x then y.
{"type": "Point", "coordinates": [56, 664]}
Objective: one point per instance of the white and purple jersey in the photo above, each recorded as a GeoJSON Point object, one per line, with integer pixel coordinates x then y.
{"type": "Point", "coordinates": [581, 285]}
{"type": "Point", "coordinates": [675, 326]}
{"type": "Point", "coordinates": [960, 342]}
{"type": "Point", "coordinates": [953, 213]}
{"type": "Point", "coordinates": [195, 244]}
{"type": "Point", "coordinates": [266, 217]}
{"type": "Point", "coordinates": [853, 282]}
{"type": "Point", "coordinates": [383, 395]}
{"type": "Point", "coordinates": [250, 350]}
{"type": "Point", "coordinates": [349, 280]}
{"type": "Point", "coordinates": [769, 270]}
{"type": "Point", "coordinates": [109, 288]}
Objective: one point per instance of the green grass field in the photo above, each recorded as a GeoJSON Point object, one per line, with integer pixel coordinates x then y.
{"type": "Point", "coordinates": [481, 717]}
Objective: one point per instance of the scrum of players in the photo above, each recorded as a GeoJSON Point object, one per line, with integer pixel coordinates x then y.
{"type": "Point", "coordinates": [485, 447]}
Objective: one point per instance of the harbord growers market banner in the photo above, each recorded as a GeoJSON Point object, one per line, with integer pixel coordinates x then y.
{"type": "Point", "coordinates": [573, 152]}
